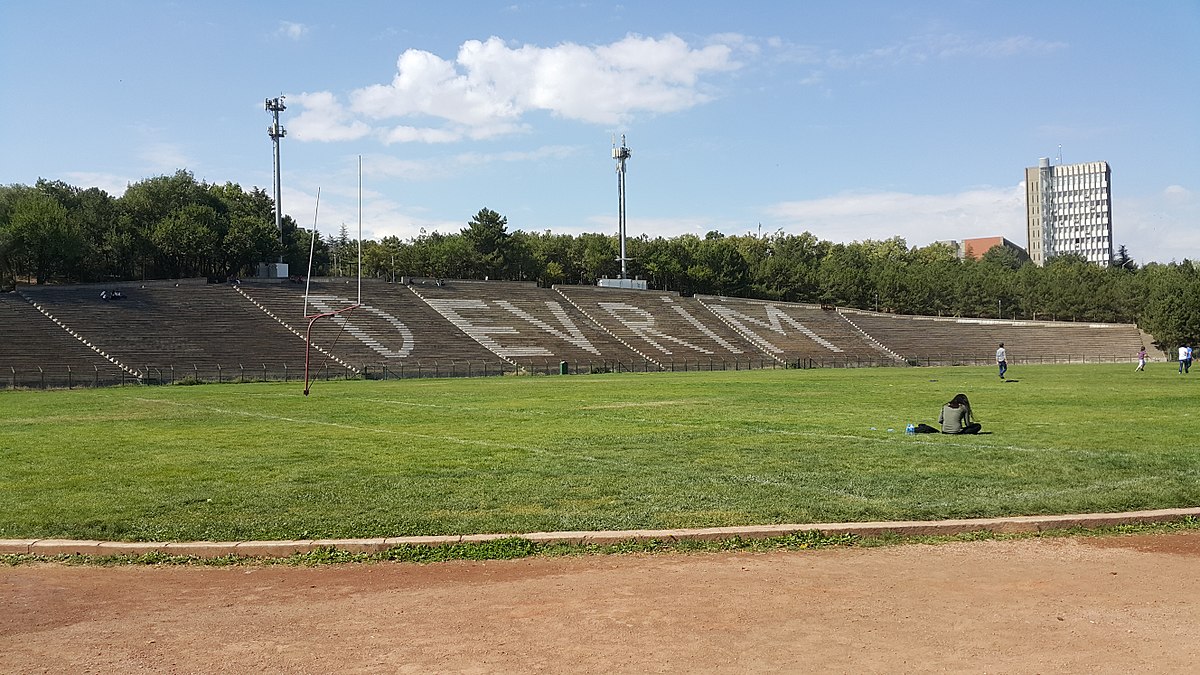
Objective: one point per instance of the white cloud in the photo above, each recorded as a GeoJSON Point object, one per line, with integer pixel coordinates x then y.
{"type": "Point", "coordinates": [392, 167]}
{"type": "Point", "coordinates": [324, 119]}
{"type": "Point", "coordinates": [111, 183]}
{"type": "Point", "coordinates": [954, 46]}
{"type": "Point", "coordinates": [919, 219]}
{"type": "Point", "coordinates": [409, 134]}
{"type": "Point", "coordinates": [406, 169]}
{"type": "Point", "coordinates": [165, 157]}
{"type": "Point", "coordinates": [1177, 192]}
{"type": "Point", "coordinates": [1161, 226]}
{"type": "Point", "coordinates": [381, 216]}
{"type": "Point", "coordinates": [490, 86]}
{"type": "Point", "coordinates": [544, 152]}
{"type": "Point", "coordinates": [292, 30]}
{"type": "Point", "coordinates": [654, 227]}
{"type": "Point", "coordinates": [914, 50]}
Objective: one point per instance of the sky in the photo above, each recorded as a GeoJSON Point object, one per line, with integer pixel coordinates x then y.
{"type": "Point", "coordinates": [850, 120]}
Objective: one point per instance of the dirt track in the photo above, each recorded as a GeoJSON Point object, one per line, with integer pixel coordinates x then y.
{"type": "Point", "coordinates": [1116, 604]}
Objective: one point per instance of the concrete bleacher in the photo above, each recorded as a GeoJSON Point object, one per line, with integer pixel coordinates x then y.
{"type": "Point", "coordinates": [170, 330]}
{"type": "Point", "coordinates": [668, 330]}
{"type": "Point", "coordinates": [164, 331]}
{"type": "Point", "coordinates": [37, 352]}
{"type": "Point", "coordinates": [393, 329]}
{"type": "Point", "coordinates": [931, 340]}
{"type": "Point", "coordinates": [525, 325]}
{"type": "Point", "coordinates": [799, 333]}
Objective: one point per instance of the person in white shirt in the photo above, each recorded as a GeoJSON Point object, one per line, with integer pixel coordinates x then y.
{"type": "Point", "coordinates": [1002, 360]}
{"type": "Point", "coordinates": [1185, 359]}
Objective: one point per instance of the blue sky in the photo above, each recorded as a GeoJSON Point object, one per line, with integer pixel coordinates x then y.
{"type": "Point", "coordinates": [851, 120]}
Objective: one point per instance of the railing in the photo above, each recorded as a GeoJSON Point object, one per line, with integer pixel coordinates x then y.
{"type": "Point", "coordinates": [952, 359]}
{"type": "Point", "coordinates": [64, 377]}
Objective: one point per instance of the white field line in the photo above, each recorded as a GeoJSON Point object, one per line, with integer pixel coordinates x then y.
{"type": "Point", "coordinates": [339, 425]}
{"type": "Point", "coordinates": [943, 441]}
{"type": "Point", "coordinates": [589, 458]}
{"type": "Point", "coordinates": [636, 404]}
{"type": "Point", "coordinates": [919, 441]}
{"type": "Point", "coordinates": [441, 406]}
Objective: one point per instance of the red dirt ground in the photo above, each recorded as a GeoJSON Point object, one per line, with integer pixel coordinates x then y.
{"type": "Point", "coordinates": [1097, 605]}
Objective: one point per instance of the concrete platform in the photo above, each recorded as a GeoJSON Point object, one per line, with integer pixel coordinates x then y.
{"type": "Point", "coordinates": [283, 549]}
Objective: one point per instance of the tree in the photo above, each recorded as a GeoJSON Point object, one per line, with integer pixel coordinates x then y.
{"type": "Point", "coordinates": [43, 240]}
{"type": "Point", "coordinates": [172, 225]}
{"type": "Point", "coordinates": [663, 262]}
{"type": "Point", "coordinates": [720, 268]}
{"type": "Point", "coordinates": [187, 240]}
{"type": "Point", "coordinates": [247, 241]}
{"type": "Point", "coordinates": [596, 256]}
{"type": "Point", "coordinates": [486, 233]}
{"type": "Point", "coordinates": [1122, 261]}
{"type": "Point", "coordinates": [1004, 257]}
{"type": "Point", "coordinates": [1074, 288]}
{"type": "Point", "coordinates": [387, 259]}
{"type": "Point", "coordinates": [551, 255]}
{"type": "Point", "coordinates": [1172, 311]}
{"type": "Point", "coordinates": [785, 266]}
{"type": "Point", "coordinates": [342, 252]}
{"type": "Point", "coordinates": [933, 273]}
{"type": "Point", "coordinates": [845, 276]}
{"type": "Point", "coordinates": [8, 241]}
{"type": "Point", "coordinates": [246, 229]}
{"type": "Point", "coordinates": [149, 203]}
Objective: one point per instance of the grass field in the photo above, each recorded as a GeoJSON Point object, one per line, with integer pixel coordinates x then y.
{"type": "Point", "coordinates": [357, 459]}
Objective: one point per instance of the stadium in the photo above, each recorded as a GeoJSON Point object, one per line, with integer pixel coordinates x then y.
{"type": "Point", "coordinates": [160, 332]}
{"type": "Point", "coordinates": [551, 444]}
{"type": "Point", "coordinates": [453, 420]}
{"type": "Point", "coordinates": [232, 441]}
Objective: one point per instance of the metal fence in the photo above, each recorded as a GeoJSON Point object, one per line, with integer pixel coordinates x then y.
{"type": "Point", "coordinates": [67, 377]}
{"type": "Point", "coordinates": [977, 360]}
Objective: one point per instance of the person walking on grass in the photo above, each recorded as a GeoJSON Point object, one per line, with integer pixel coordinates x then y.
{"type": "Point", "coordinates": [1141, 361]}
{"type": "Point", "coordinates": [1002, 360]}
{"type": "Point", "coordinates": [1185, 359]}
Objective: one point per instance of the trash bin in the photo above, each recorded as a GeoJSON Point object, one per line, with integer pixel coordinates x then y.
{"type": "Point", "coordinates": [562, 367]}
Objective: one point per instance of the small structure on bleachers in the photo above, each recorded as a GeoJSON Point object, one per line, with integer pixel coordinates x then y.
{"type": "Point", "coordinates": [635, 284]}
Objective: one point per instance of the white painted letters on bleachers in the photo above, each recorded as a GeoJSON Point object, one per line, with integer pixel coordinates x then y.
{"type": "Point", "coordinates": [643, 325]}
{"type": "Point", "coordinates": [699, 326]}
{"type": "Point", "coordinates": [455, 310]}
{"type": "Point", "coordinates": [326, 303]}
{"type": "Point", "coordinates": [775, 319]}
{"type": "Point", "coordinates": [573, 334]}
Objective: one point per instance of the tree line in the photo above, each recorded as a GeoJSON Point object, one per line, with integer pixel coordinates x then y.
{"type": "Point", "coordinates": [173, 227]}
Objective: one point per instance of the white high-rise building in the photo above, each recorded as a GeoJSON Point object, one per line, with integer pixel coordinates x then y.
{"type": "Point", "coordinates": [1068, 209]}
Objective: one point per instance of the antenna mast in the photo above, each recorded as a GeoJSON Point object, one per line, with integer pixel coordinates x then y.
{"type": "Point", "coordinates": [621, 154]}
{"type": "Point", "coordinates": [360, 229]}
{"type": "Point", "coordinates": [276, 132]}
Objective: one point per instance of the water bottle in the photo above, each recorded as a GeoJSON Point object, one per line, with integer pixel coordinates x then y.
{"type": "Point", "coordinates": [910, 429]}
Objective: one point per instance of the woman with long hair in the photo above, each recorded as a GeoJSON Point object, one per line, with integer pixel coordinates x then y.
{"type": "Point", "coordinates": [956, 417]}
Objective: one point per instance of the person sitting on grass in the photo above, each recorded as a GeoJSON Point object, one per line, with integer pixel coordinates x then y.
{"type": "Point", "coordinates": [956, 417]}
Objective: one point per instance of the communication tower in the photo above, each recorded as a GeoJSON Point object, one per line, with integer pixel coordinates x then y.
{"type": "Point", "coordinates": [276, 132]}
{"type": "Point", "coordinates": [621, 154]}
